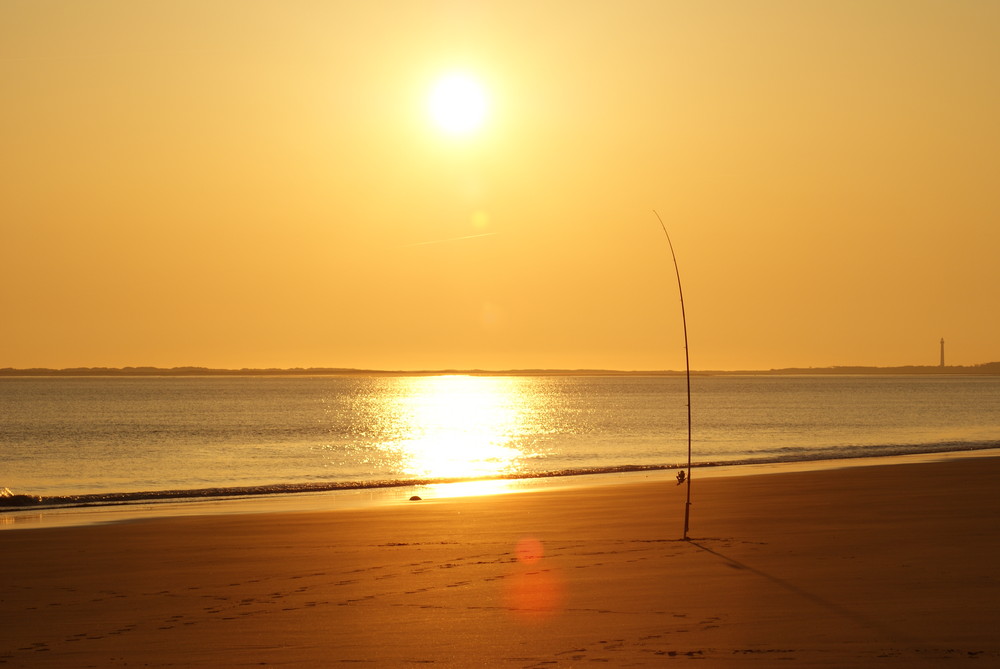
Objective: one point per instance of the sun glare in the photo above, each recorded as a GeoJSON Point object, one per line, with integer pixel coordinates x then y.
{"type": "Point", "coordinates": [458, 104]}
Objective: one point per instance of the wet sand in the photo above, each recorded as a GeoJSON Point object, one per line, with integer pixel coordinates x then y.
{"type": "Point", "coordinates": [877, 566]}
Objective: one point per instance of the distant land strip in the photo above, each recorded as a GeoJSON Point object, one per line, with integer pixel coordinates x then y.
{"type": "Point", "coordinates": [989, 368]}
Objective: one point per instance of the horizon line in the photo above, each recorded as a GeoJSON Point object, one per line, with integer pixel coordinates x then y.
{"type": "Point", "coordinates": [193, 370]}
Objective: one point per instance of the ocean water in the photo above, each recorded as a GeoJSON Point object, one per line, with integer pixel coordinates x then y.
{"type": "Point", "coordinates": [104, 440]}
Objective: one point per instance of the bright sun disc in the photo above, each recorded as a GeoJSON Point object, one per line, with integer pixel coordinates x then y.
{"type": "Point", "coordinates": [458, 104]}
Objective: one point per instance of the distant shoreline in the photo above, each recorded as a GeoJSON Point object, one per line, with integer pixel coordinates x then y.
{"type": "Point", "coordinates": [990, 368]}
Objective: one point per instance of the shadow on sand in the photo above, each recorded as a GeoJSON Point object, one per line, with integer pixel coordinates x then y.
{"type": "Point", "coordinates": [857, 618]}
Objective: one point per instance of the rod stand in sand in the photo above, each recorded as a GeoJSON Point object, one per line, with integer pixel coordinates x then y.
{"type": "Point", "coordinates": [687, 369]}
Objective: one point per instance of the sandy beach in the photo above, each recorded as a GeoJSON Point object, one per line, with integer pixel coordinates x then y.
{"type": "Point", "coordinates": [877, 566]}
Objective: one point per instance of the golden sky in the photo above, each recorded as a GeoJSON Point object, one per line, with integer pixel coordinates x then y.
{"type": "Point", "coordinates": [240, 183]}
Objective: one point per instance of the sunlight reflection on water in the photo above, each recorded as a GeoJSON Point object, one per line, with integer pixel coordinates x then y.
{"type": "Point", "coordinates": [459, 427]}
{"type": "Point", "coordinates": [108, 435]}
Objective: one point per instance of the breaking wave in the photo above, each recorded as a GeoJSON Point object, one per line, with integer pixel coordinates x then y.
{"type": "Point", "coordinates": [12, 502]}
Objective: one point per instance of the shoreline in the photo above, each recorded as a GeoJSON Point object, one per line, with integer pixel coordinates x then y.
{"type": "Point", "coordinates": [871, 566]}
{"type": "Point", "coordinates": [363, 497]}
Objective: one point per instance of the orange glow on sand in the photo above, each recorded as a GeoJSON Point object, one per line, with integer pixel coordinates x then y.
{"type": "Point", "coordinates": [529, 550]}
{"type": "Point", "coordinates": [534, 591]}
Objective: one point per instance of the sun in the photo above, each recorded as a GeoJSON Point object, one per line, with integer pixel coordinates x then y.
{"type": "Point", "coordinates": [458, 103]}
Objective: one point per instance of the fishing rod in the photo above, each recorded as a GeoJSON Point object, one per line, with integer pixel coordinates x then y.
{"type": "Point", "coordinates": [687, 367]}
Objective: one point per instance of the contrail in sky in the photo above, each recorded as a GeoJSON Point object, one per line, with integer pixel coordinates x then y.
{"type": "Point", "coordinates": [450, 239]}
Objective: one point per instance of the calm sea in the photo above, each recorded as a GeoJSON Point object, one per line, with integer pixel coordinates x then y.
{"type": "Point", "coordinates": [116, 439]}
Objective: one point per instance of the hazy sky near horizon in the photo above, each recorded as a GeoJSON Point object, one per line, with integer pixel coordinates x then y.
{"type": "Point", "coordinates": [240, 183]}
